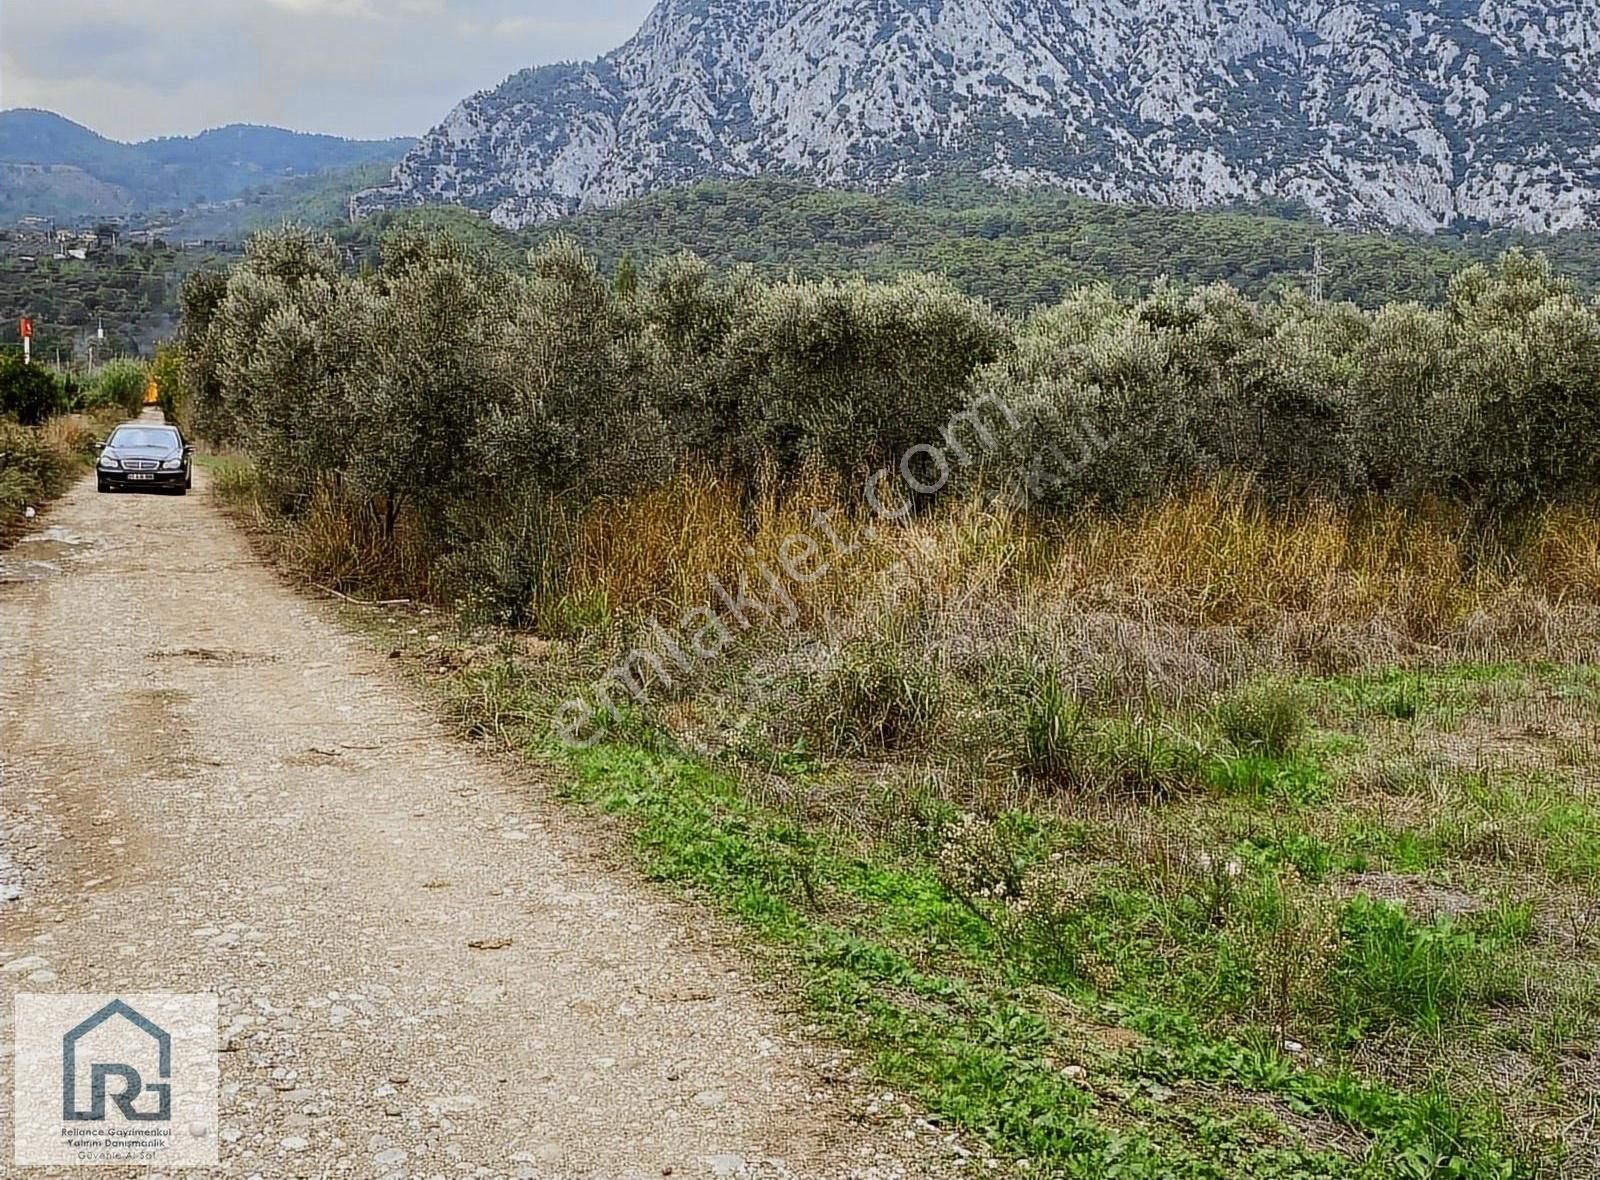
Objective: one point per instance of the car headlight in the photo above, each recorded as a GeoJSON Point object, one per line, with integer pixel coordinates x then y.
{"type": "Point", "coordinates": [111, 462]}
{"type": "Point", "coordinates": [171, 464]}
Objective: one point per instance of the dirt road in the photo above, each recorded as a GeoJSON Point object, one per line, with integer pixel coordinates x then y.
{"type": "Point", "coordinates": [209, 786]}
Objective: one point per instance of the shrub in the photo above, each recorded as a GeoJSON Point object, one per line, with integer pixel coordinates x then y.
{"type": "Point", "coordinates": [121, 384]}
{"type": "Point", "coordinates": [875, 699]}
{"type": "Point", "coordinates": [201, 299]}
{"type": "Point", "coordinates": [168, 374]}
{"type": "Point", "coordinates": [1053, 721]}
{"type": "Point", "coordinates": [28, 393]}
{"type": "Point", "coordinates": [1140, 758]}
{"type": "Point", "coordinates": [858, 373]}
{"type": "Point", "coordinates": [1127, 757]}
{"type": "Point", "coordinates": [1526, 378]}
{"type": "Point", "coordinates": [1100, 417]}
{"type": "Point", "coordinates": [1266, 719]}
{"type": "Point", "coordinates": [35, 464]}
{"type": "Point", "coordinates": [1404, 417]}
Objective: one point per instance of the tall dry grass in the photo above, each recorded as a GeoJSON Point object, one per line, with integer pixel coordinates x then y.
{"type": "Point", "coordinates": [335, 541]}
{"type": "Point", "coordinates": [73, 435]}
{"type": "Point", "coordinates": [1191, 573]}
{"type": "Point", "coordinates": [1218, 557]}
{"type": "Point", "coordinates": [656, 553]}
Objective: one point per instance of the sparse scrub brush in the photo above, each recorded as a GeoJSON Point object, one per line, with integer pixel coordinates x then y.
{"type": "Point", "coordinates": [876, 699]}
{"type": "Point", "coordinates": [1264, 719]}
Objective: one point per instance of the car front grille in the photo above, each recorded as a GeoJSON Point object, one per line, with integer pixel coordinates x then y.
{"type": "Point", "coordinates": [140, 464]}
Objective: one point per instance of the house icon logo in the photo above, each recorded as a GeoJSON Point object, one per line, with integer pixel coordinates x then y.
{"type": "Point", "coordinates": [119, 1080]}
{"type": "Point", "coordinates": [133, 1084]}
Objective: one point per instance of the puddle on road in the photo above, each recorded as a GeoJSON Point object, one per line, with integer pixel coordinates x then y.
{"type": "Point", "coordinates": [54, 535]}
{"type": "Point", "coordinates": [12, 570]}
{"type": "Point", "coordinates": [38, 556]}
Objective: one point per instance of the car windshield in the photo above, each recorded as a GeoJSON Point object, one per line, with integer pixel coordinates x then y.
{"type": "Point", "coordinates": [141, 436]}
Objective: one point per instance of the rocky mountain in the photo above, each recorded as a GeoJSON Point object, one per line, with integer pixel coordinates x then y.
{"type": "Point", "coordinates": [1421, 114]}
{"type": "Point", "coordinates": [53, 167]}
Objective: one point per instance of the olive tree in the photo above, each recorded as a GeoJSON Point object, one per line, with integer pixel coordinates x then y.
{"type": "Point", "coordinates": [858, 373]}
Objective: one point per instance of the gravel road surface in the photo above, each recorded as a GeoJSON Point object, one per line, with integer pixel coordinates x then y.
{"type": "Point", "coordinates": [209, 786]}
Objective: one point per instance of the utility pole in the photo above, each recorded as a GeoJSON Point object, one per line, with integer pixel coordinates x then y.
{"type": "Point", "coordinates": [1318, 274]}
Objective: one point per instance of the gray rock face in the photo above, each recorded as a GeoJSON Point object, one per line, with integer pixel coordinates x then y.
{"type": "Point", "coordinates": [1421, 114]}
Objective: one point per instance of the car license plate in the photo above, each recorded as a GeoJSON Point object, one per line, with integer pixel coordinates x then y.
{"type": "Point", "coordinates": [133, 476]}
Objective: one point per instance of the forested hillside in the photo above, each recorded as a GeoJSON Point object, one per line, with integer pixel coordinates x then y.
{"type": "Point", "coordinates": [1021, 248]}
{"type": "Point", "coordinates": [55, 168]}
{"type": "Point", "coordinates": [131, 292]}
{"type": "Point", "coordinates": [1017, 249]}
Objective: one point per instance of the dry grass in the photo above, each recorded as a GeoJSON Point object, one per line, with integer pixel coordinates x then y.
{"type": "Point", "coordinates": [1213, 567]}
{"type": "Point", "coordinates": [655, 553]}
{"type": "Point", "coordinates": [72, 434]}
{"type": "Point", "coordinates": [336, 542]}
{"type": "Point", "coordinates": [1185, 595]}
{"type": "Point", "coordinates": [1220, 557]}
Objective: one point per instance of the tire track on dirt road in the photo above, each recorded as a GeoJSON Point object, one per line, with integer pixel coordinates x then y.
{"type": "Point", "coordinates": [164, 700]}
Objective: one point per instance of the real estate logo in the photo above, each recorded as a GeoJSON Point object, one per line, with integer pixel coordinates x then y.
{"type": "Point", "coordinates": [116, 1080]}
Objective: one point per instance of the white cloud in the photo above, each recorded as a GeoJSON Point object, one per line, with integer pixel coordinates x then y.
{"type": "Point", "coordinates": [350, 67]}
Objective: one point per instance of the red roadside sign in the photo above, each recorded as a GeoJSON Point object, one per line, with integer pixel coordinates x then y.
{"type": "Point", "coordinates": [27, 328]}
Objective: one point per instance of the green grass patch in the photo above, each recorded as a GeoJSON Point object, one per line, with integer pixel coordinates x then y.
{"type": "Point", "coordinates": [1394, 970]}
{"type": "Point", "coordinates": [970, 959]}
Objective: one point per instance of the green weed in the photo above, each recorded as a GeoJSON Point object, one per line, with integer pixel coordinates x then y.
{"type": "Point", "coordinates": [1393, 970]}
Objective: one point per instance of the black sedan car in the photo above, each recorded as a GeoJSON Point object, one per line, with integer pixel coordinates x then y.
{"type": "Point", "coordinates": [145, 455]}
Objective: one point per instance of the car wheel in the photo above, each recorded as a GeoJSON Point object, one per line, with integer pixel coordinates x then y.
{"type": "Point", "coordinates": [101, 486]}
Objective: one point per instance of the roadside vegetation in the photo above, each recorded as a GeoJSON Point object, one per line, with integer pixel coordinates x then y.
{"type": "Point", "coordinates": [1189, 774]}
{"type": "Point", "coordinates": [48, 427]}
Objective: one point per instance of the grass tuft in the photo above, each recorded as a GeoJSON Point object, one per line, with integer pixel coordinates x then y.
{"type": "Point", "coordinates": [1264, 719]}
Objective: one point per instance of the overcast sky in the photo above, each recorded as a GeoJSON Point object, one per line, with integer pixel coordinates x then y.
{"type": "Point", "coordinates": [133, 69]}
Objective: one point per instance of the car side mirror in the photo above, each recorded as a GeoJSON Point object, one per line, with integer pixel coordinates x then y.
{"type": "Point", "coordinates": [187, 449]}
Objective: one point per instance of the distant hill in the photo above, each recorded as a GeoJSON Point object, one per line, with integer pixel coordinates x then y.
{"type": "Point", "coordinates": [53, 167]}
{"type": "Point", "coordinates": [322, 200]}
{"type": "Point", "coordinates": [1429, 115]}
